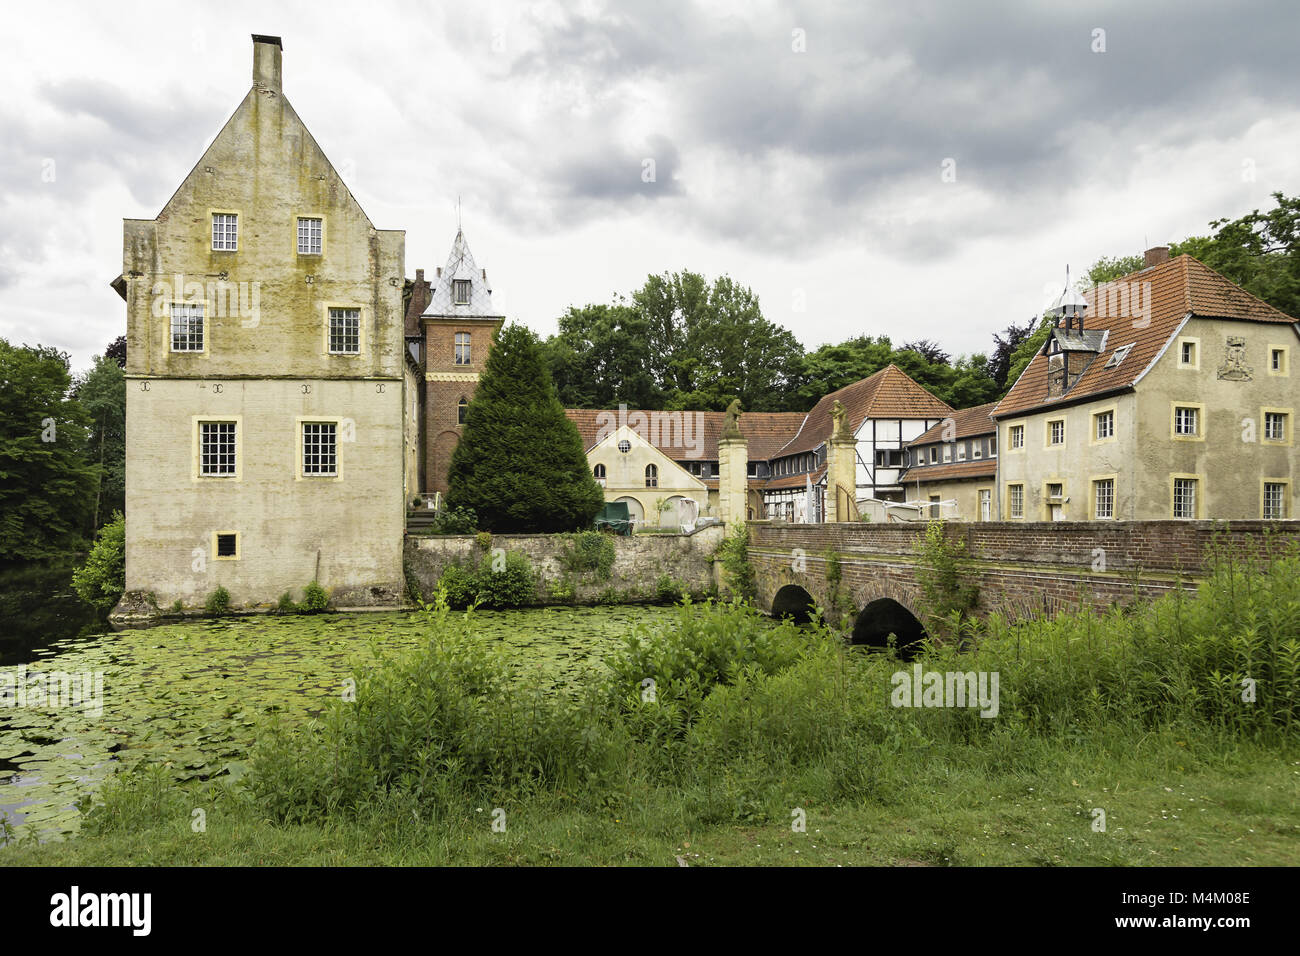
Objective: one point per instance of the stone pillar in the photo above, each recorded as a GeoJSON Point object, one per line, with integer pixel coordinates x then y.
{"type": "Point", "coordinates": [733, 490]}
{"type": "Point", "coordinates": [733, 470]}
{"type": "Point", "coordinates": [841, 470]}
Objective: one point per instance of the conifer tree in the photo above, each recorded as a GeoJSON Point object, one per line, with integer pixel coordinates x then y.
{"type": "Point", "coordinates": [520, 463]}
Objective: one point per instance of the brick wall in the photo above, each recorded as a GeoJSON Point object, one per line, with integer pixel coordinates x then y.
{"type": "Point", "coordinates": [1022, 569]}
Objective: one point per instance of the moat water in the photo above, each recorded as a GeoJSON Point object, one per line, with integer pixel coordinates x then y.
{"type": "Point", "coordinates": [188, 696]}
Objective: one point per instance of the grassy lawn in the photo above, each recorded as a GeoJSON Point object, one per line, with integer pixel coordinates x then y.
{"type": "Point", "coordinates": [1238, 810]}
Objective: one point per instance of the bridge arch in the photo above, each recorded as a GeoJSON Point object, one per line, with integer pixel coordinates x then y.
{"type": "Point", "coordinates": [793, 601]}
{"type": "Point", "coordinates": [883, 617]}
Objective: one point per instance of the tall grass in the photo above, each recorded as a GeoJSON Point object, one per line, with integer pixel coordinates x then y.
{"type": "Point", "coordinates": [740, 707]}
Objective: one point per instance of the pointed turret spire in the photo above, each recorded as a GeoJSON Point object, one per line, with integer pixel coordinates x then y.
{"type": "Point", "coordinates": [461, 289]}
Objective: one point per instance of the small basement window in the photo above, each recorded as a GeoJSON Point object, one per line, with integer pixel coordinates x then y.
{"type": "Point", "coordinates": [227, 544]}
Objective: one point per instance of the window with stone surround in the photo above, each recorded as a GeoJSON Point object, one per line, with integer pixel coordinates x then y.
{"type": "Point", "coordinates": [187, 327]}
{"type": "Point", "coordinates": [225, 231]}
{"type": "Point", "coordinates": [1275, 500]}
{"type": "Point", "coordinates": [345, 331]}
{"type": "Point", "coordinates": [462, 348]}
{"type": "Point", "coordinates": [217, 449]}
{"type": "Point", "coordinates": [320, 449]}
{"type": "Point", "coordinates": [309, 236]}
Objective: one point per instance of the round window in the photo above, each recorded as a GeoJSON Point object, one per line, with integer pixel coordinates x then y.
{"type": "Point", "coordinates": [625, 446]}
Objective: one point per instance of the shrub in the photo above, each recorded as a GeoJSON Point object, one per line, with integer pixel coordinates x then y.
{"type": "Point", "coordinates": [484, 540]}
{"type": "Point", "coordinates": [431, 724]}
{"type": "Point", "coordinates": [218, 602]}
{"type": "Point", "coordinates": [455, 521]}
{"type": "Point", "coordinates": [314, 599]}
{"type": "Point", "coordinates": [102, 579]}
{"type": "Point", "coordinates": [499, 580]}
{"type": "Point", "coordinates": [669, 589]}
{"type": "Point", "coordinates": [711, 644]}
{"type": "Point", "coordinates": [412, 583]}
{"type": "Point", "coordinates": [587, 552]}
{"type": "Point", "coordinates": [286, 604]}
{"type": "Point", "coordinates": [734, 552]}
{"type": "Point", "coordinates": [510, 586]}
{"type": "Point", "coordinates": [561, 589]}
{"type": "Point", "coordinates": [941, 572]}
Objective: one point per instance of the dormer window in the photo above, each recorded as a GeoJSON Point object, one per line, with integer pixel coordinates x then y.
{"type": "Point", "coordinates": [460, 289]}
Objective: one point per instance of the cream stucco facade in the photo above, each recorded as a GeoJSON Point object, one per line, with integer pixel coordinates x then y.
{"type": "Point", "coordinates": [1136, 453]}
{"type": "Point", "coordinates": [627, 476]}
{"type": "Point", "coordinates": [253, 251]}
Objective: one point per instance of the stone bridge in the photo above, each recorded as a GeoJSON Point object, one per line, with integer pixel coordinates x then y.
{"type": "Point", "coordinates": [1021, 569]}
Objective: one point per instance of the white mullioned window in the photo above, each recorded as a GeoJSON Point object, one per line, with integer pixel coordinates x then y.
{"type": "Point", "coordinates": [216, 449]}
{"type": "Point", "coordinates": [651, 476]}
{"type": "Point", "coordinates": [1275, 426]}
{"type": "Point", "coordinates": [187, 327]}
{"type": "Point", "coordinates": [309, 236]}
{"type": "Point", "coordinates": [320, 448]}
{"type": "Point", "coordinates": [1105, 425]}
{"type": "Point", "coordinates": [462, 348]}
{"type": "Point", "coordinates": [345, 331]}
{"type": "Point", "coordinates": [1056, 432]}
{"type": "Point", "coordinates": [225, 231]}
{"type": "Point", "coordinates": [1104, 498]}
{"type": "Point", "coordinates": [1016, 502]}
{"type": "Point", "coordinates": [1187, 421]}
{"type": "Point", "coordinates": [1185, 497]}
{"type": "Point", "coordinates": [1274, 500]}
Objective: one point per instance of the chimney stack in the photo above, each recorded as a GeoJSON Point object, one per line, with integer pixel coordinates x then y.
{"type": "Point", "coordinates": [1155, 256]}
{"type": "Point", "coordinates": [419, 275]}
{"type": "Point", "coordinates": [266, 63]}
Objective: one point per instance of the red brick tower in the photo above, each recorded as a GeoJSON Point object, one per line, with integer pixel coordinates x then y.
{"type": "Point", "coordinates": [459, 328]}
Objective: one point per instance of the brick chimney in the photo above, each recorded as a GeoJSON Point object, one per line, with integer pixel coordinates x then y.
{"type": "Point", "coordinates": [1155, 256]}
{"type": "Point", "coordinates": [266, 63]}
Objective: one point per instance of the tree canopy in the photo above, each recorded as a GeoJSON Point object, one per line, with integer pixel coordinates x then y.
{"type": "Point", "coordinates": [520, 463]}
{"type": "Point", "coordinates": [47, 486]}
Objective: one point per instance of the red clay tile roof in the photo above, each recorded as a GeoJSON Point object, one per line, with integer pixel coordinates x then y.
{"type": "Point", "coordinates": [890, 393]}
{"type": "Point", "coordinates": [692, 435]}
{"type": "Point", "coordinates": [967, 422]}
{"type": "Point", "coordinates": [1176, 288]}
{"type": "Point", "coordinates": [953, 471]}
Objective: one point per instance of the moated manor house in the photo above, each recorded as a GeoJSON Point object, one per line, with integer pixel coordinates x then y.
{"type": "Point", "coordinates": [291, 392]}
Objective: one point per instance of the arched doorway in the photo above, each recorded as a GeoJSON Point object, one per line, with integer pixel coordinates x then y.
{"type": "Point", "coordinates": [634, 510]}
{"type": "Point", "coordinates": [793, 602]}
{"type": "Point", "coordinates": [883, 617]}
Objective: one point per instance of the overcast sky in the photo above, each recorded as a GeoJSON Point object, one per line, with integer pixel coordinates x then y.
{"type": "Point", "coordinates": [800, 148]}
